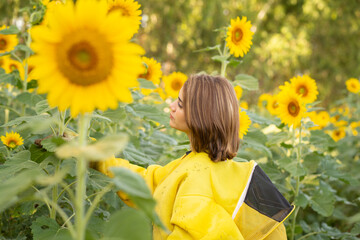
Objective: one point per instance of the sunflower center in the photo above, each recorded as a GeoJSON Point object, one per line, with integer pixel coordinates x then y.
{"type": "Point", "coordinates": [3, 44]}
{"type": "Point", "coordinates": [237, 35]}
{"type": "Point", "coordinates": [84, 58]}
{"type": "Point", "coordinates": [12, 144]}
{"type": "Point", "coordinates": [124, 11]}
{"type": "Point", "coordinates": [337, 133]}
{"type": "Point", "coordinates": [145, 75]}
{"type": "Point", "coordinates": [293, 109]}
{"type": "Point", "coordinates": [13, 67]}
{"type": "Point", "coordinates": [275, 104]}
{"type": "Point", "coordinates": [176, 84]}
{"type": "Point", "coordinates": [302, 90]}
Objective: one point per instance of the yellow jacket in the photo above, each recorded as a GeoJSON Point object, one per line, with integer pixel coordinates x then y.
{"type": "Point", "coordinates": [199, 199]}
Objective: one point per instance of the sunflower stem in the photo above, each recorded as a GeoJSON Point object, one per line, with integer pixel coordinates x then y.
{"type": "Point", "coordinates": [27, 55]}
{"type": "Point", "coordinates": [80, 225]}
{"type": "Point", "coordinates": [55, 193]}
{"type": "Point", "coordinates": [224, 62]}
{"type": "Point", "coordinates": [297, 188]}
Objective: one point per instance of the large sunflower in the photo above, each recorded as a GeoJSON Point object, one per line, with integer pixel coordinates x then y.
{"type": "Point", "coordinates": [244, 124]}
{"type": "Point", "coordinates": [353, 85]}
{"type": "Point", "coordinates": [173, 83]}
{"type": "Point", "coordinates": [7, 42]}
{"type": "Point", "coordinates": [291, 109]}
{"type": "Point", "coordinates": [153, 70]}
{"type": "Point", "coordinates": [239, 36]}
{"type": "Point", "coordinates": [12, 140]}
{"type": "Point", "coordinates": [306, 87]}
{"type": "Point", "coordinates": [128, 9]}
{"type": "Point", "coordinates": [85, 62]}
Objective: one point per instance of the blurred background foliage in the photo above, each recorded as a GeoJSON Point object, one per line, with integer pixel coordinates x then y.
{"type": "Point", "coordinates": [315, 37]}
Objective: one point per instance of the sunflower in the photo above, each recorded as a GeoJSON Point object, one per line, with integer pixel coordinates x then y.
{"type": "Point", "coordinates": [338, 134]}
{"type": "Point", "coordinates": [353, 85]}
{"type": "Point", "coordinates": [84, 62]}
{"type": "Point", "coordinates": [354, 126]}
{"type": "Point", "coordinates": [30, 71]}
{"type": "Point", "coordinates": [263, 100]}
{"type": "Point", "coordinates": [3, 62]}
{"type": "Point", "coordinates": [273, 105]}
{"type": "Point", "coordinates": [291, 109]}
{"type": "Point", "coordinates": [244, 124]}
{"type": "Point", "coordinates": [239, 37]}
{"type": "Point", "coordinates": [153, 70]}
{"type": "Point", "coordinates": [7, 42]}
{"type": "Point", "coordinates": [161, 93]}
{"type": "Point", "coordinates": [306, 87]}
{"type": "Point", "coordinates": [320, 119]}
{"type": "Point", "coordinates": [12, 140]}
{"type": "Point", "coordinates": [244, 105]}
{"type": "Point", "coordinates": [238, 91]}
{"type": "Point", "coordinates": [173, 83]}
{"type": "Point", "coordinates": [11, 65]}
{"type": "Point", "coordinates": [128, 9]}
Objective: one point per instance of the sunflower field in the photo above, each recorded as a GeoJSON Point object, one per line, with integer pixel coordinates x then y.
{"type": "Point", "coordinates": [83, 81]}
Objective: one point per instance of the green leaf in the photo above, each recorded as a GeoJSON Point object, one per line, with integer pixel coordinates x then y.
{"type": "Point", "coordinates": [234, 62]}
{"type": "Point", "coordinates": [261, 120]}
{"type": "Point", "coordinates": [38, 154]}
{"type": "Point", "coordinates": [10, 30]}
{"type": "Point", "coordinates": [208, 48]}
{"type": "Point", "coordinates": [311, 161]}
{"type": "Point", "coordinates": [322, 140]}
{"type": "Point", "coordinates": [8, 78]}
{"type": "Point", "coordinates": [255, 139]}
{"type": "Point", "coordinates": [45, 228]}
{"type": "Point", "coordinates": [276, 138]}
{"type": "Point", "coordinates": [356, 229]}
{"type": "Point", "coordinates": [24, 48]}
{"type": "Point", "coordinates": [219, 58]}
{"type": "Point", "coordinates": [128, 224]}
{"type": "Point", "coordinates": [322, 201]}
{"type": "Point", "coordinates": [136, 188]}
{"type": "Point", "coordinates": [302, 200]}
{"type": "Point", "coordinates": [144, 83]}
{"type": "Point", "coordinates": [131, 183]}
{"type": "Point", "coordinates": [136, 156]}
{"type": "Point", "coordinates": [292, 166]}
{"type": "Point", "coordinates": [50, 144]}
{"type": "Point", "coordinates": [42, 107]}
{"type": "Point", "coordinates": [150, 112]}
{"type": "Point", "coordinates": [247, 82]}
{"type": "Point", "coordinates": [101, 150]}
{"type": "Point", "coordinates": [16, 164]}
{"type": "Point", "coordinates": [11, 187]}
{"type": "Point", "coordinates": [26, 119]}
{"type": "Point", "coordinates": [116, 115]}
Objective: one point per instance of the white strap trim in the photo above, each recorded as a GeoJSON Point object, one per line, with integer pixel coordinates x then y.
{"type": "Point", "coordinates": [243, 194]}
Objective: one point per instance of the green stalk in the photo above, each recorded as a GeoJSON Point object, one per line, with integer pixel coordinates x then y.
{"type": "Point", "coordinates": [224, 62]}
{"type": "Point", "coordinates": [27, 55]}
{"type": "Point", "coordinates": [62, 123]}
{"type": "Point", "coordinates": [80, 225]}
{"type": "Point", "coordinates": [55, 193]}
{"type": "Point", "coordinates": [297, 188]}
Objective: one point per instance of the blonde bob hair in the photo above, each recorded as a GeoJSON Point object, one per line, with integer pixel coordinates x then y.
{"type": "Point", "coordinates": [212, 115]}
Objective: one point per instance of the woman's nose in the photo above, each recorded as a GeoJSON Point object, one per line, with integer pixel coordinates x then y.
{"type": "Point", "coordinates": [172, 106]}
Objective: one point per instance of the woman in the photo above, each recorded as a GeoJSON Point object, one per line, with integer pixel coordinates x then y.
{"type": "Point", "coordinates": [204, 194]}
